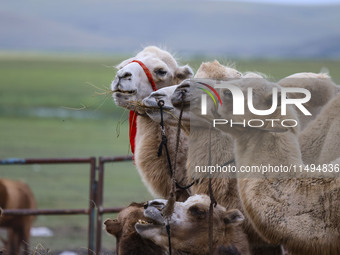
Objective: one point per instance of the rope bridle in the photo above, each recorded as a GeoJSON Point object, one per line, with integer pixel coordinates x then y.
{"type": "Point", "coordinates": [133, 114]}
{"type": "Point", "coordinates": [164, 142]}
{"type": "Point", "coordinates": [168, 210]}
{"type": "Point", "coordinates": [147, 73]}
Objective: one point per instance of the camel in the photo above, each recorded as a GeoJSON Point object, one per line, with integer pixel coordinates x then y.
{"type": "Point", "coordinates": [322, 90]}
{"type": "Point", "coordinates": [16, 195]}
{"type": "Point", "coordinates": [176, 101]}
{"type": "Point", "coordinates": [129, 242]}
{"type": "Point", "coordinates": [189, 227]}
{"type": "Point", "coordinates": [319, 132]}
{"type": "Point", "coordinates": [320, 140]}
{"type": "Point", "coordinates": [295, 209]}
{"type": "Point", "coordinates": [224, 185]}
{"type": "Point", "coordinates": [129, 88]}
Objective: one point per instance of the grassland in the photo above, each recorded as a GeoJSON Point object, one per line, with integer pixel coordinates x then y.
{"type": "Point", "coordinates": [50, 107]}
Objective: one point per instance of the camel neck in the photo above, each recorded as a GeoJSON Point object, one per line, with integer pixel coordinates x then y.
{"type": "Point", "coordinates": [258, 147]}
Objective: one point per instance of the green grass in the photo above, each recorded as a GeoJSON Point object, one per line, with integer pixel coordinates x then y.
{"type": "Point", "coordinates": [29, 84]}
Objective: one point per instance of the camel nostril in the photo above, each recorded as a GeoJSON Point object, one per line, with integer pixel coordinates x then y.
{"type": "Point", "coordinates": [156, 204]}
{"type": "Point", "coordinates": [125, 75]}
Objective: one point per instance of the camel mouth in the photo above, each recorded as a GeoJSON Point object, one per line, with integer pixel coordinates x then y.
{"type": "Point", "coordinates": [124, 92]}
{"type": "Point", "coordinates": [143, 225]}
{"type": "Point", "coordinates": [149, 222]}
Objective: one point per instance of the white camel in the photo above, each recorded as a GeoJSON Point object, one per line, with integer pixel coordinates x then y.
{"type": "Point", "coordinates": [299, 212]}
{"type": "Point", "coordinates": [130, 86]}
{"type": "Point", "coordinates": [320, 141]}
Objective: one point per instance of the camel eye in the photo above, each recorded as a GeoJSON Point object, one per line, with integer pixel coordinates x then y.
{"type": "Point", "coordinates": [197, 212]}
{"type": "Point", "coordinates": [160, 72]}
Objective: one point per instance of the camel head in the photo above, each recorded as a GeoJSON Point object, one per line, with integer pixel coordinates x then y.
{"type": "Point", "coordinates": [131, 84]}
{"type": "Point", "coordinates": [207, 73]}
{"type": "Point", "coordinates": [171, 113]}
{"type": "Point", "coordinates": [123, 228]}
{"type": "Point", "coordinates": [189, 224]}
{"type": "Point", "coordinates": [207, 70]}
{"type": "Point", "coordinates": [123, 225]}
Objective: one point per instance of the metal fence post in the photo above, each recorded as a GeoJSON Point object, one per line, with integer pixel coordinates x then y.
{"type": "Point", "coordinates": [92, 205]}
{"type": "Point", "coordinates": [99, 205]}
{"type": "Point", "coordinates": [100, 192]}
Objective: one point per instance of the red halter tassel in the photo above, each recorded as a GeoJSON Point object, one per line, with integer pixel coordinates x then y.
{"type": "Point", "coordinates": [133, 115]}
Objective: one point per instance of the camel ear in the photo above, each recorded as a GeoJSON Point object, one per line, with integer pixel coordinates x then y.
{"type": "Point", "coordinates": [124, 63]}
{"type": "Point", "coordinates": [113, 227]}
{"type": "Point", "coordinates": [184, 72]}
{"type": "Point", "coordinates": [233, 216]}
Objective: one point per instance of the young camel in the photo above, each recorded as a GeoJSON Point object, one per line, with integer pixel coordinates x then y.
{"type": "Point", "coordinates": [225, 186]}
{"type": "Point", "coordinates": [130, 87]}
{"type": "Point", "coordinates": [129, 242]}
{"type": "Point", "coordinates": [189, 227]}
{"type": "Point", "coordinates": [16, 195]}
{"type": "Point", "coordinates": [296, 210]}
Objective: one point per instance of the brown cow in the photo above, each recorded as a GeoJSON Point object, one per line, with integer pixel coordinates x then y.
{"type": "Point", "coordinates": [16, 195]}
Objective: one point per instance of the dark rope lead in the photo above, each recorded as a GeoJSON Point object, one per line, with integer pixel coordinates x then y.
{"type": "Point", "coordinates": [169, 238]}
{"type": "Point", "coordinates": [164, 141]}
{"type": "Point", "coordinates": [229, 162]}
{"type": "Point", "coordinates": [187, 186]}
{"type": "Point", "coordinates": [213, 202]}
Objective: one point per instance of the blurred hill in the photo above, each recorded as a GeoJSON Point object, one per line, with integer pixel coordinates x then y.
{"type": "Point", "coordinates": [234, 29]}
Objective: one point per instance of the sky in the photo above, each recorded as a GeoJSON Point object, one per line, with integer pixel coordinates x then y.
{"type": "Point", "coordinates": [307, 2]}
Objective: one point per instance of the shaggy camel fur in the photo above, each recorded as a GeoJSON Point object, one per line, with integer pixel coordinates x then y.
{"type": "Point", "coordinates": [16, 195]}
{"type": "Point", "coordinates": [320, 140]}
{"type": "Point", "coordinates": [129, 242]}
{"type": "Point", "coordinates": [189, 227]}
{"type": "Point", "coordinates": [322, 90]}
{"type": "Point", "coordinates": [300, 213]}
{"type": "Point", "coordinates": [130, 87]}
{"type": "Point", "coordinates": [224, 187]}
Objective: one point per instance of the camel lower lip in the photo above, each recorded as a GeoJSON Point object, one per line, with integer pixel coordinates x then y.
{"type": "Point", "coordinates": [156, 108]}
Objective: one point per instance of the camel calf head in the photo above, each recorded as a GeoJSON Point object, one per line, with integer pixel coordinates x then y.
{"type": "Point", "coordinates": [128, 240]}
{"type": "Point", "coordinates": [189, 226]}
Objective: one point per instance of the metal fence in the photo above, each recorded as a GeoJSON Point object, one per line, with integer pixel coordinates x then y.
{"type": "Point", "coordinates": [95, 195]}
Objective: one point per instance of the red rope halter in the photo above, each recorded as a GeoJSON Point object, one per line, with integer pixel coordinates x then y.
{"type": "Point", "coordinates": [133, 115]}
